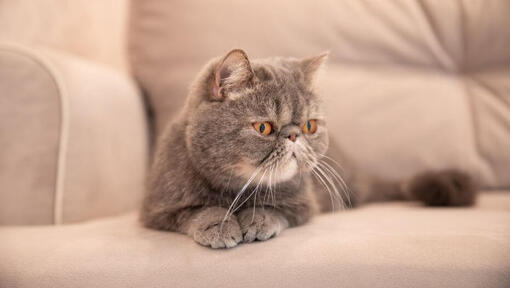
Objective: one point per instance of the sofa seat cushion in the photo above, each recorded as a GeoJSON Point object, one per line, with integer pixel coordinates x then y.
{"type": "Point", "coordinates": [380, 245]}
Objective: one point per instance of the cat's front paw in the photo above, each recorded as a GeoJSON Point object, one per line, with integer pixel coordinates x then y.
{"type": "Point", "coordinates": [218, 234]}
{"type": "Point", "coordinates": [261, 224]}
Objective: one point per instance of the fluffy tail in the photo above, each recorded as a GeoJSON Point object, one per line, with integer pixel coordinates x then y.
{"type": "Point", "coordinates": [448, 187]}
{"type": "Point", "coordinates": [442, 188]}
{"type": "Point", "coordinates": [433, 188]}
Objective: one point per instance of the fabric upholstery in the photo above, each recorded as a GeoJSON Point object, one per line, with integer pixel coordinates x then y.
{"type": "Point", "coordinates": [95, 30]}
{"type": "Point", "coordinates": [29, 139]}
{"type": "Point", "coordinates": [411, 85]}
{"type": "Point", "coordinates": [73, 141]}
{"type": "Point", "coordinates": [384, 245]}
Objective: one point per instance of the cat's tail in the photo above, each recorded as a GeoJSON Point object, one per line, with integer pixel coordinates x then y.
{"type": "Point", "coordinates": [442, 188]}
{"type": "Point", "coordinates": [446, 187]}
{"type": "Point", "coordinates": [450, 187]}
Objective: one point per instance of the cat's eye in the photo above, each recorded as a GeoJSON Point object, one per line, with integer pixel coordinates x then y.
{"type": "Point", "coordinates": [263, 127]}
{"type": "Point", "coordinates": [310, 127]}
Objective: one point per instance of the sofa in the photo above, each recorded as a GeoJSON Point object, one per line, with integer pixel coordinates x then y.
{"type": "Point", "coordinates": [86, 88]}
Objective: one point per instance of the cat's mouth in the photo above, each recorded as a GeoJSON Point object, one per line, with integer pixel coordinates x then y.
{"type": "Point", "coordinates": [279, 165]}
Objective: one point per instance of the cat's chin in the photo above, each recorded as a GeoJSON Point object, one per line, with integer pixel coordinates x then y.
{"type": "Point", "coordinates": [284, 172]}
{"type": "Point", "coordinates": [277, 174]}
{"type": "Point", "coordinates": [287, 171]}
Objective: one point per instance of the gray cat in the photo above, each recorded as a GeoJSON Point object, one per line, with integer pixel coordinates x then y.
{"type": "Point", "coordinates": [236, 165]}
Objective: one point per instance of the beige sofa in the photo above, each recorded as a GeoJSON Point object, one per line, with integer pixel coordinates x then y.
{"type": "Point", "coordinates": [411, 85]}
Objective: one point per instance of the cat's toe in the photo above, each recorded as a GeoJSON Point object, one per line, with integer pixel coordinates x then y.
{"type": "Point", "coordinates": [261, 232]}
{"type": "Point", "coordinates": [268, 230]}
{"type": "Point", "coordinates": [220, 235]}
{"type": "Point", "coordinates": [249, 233]}
{"type": "Point", "coordinates": [260, 224]}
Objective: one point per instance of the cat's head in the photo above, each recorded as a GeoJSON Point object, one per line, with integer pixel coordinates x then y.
{"type": "Point", "coordinates": [258, 120]}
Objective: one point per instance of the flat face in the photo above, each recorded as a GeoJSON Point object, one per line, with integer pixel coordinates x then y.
{"type": "Point", "coordinates": [268, 131]}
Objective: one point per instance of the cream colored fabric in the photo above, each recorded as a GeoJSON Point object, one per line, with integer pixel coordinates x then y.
{"type": "Point", "coordinates": [74, 142]}
{"type": "Point", "coordinates": [95, 30]}
{"type": "Point", "coordinates": [29, 139]}
{"type": "Point", "coordinates": [396, 121]}
{"type": "Point", "coordinates": [411, 85]}
{"type": "Point", "coordinates": [383, 245]}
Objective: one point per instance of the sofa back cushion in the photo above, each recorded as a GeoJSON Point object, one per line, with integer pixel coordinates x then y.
{"type": "Point", "coordinates": [411, 85]}
{"type": "Point", "coordinates": [94, 30]}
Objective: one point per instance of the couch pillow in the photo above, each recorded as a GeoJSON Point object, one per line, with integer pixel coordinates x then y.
{"type": "Point", "coordinates": [412, 85]}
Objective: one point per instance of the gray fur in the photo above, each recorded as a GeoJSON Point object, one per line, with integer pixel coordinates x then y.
{"type": "Point", "coordinates": [217, 179]}
{"type": "Point", "coordinates": [211, 150]}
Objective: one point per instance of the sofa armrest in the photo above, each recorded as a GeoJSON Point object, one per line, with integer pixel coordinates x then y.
{"type": "Point", "coordinates": [73, 138]}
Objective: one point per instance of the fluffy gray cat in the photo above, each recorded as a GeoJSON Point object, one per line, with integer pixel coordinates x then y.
{"type": "Point", "coordinates": [237, 164]}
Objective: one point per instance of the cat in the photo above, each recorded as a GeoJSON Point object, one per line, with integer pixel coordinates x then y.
{"type": "Point", "coordinates": [237, 164]}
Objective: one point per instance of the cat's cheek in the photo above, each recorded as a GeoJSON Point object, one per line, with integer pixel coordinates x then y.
{"type": "Point", "coordinates": [319, 142]}
{"type": "Point", "coordinates": [244, 169]}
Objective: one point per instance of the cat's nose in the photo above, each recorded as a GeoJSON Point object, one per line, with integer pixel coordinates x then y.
{"type": "Point", "coordinates": [290, 132]}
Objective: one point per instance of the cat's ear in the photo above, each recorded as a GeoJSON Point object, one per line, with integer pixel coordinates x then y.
{"type": "Point", "coordinates": [233, 71]}
{"type": "Point", "coordinates": [311, 66]}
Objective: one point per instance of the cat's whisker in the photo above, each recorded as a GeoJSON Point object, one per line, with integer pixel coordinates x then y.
{"type": "Point", "coordinates": [329, 174]}
{"type": "Point", "coordinates": [332, 160]}
{"type": "Point", "coordinates": [308, 151]}
{"type": "Point", "coordinates": [331, 182]}
{"type": "Point", "coordinates": [300, 175]}
{"type": "Point", "coordinates": [251, 194]}
{"type": "Point", "coordinates": [268, 187]}
{"type": "Point", "coordinates": [256, 192]}
{"type": "Point", "coordinates": [228, 183]}
{"type": "Point", "coordinates": [319, 178]}
{"type": "Point", "coordinates": [275, 184]}
{"type": "Point", "coordinates": [345, 188]}
{"type": "Point", "coordinates": [325, 174]}
{"type": "Point", "coordinates": [254, 204]}
{"type": "Point", "coordinates": [241, 192]}
{"type": "Point", "coordinates": [270, 182]}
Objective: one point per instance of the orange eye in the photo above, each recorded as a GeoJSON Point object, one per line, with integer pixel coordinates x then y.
{"type": "Point", "coordinates": [310, 127]}
{"type": "Point", "coordinates": [263, 127]}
